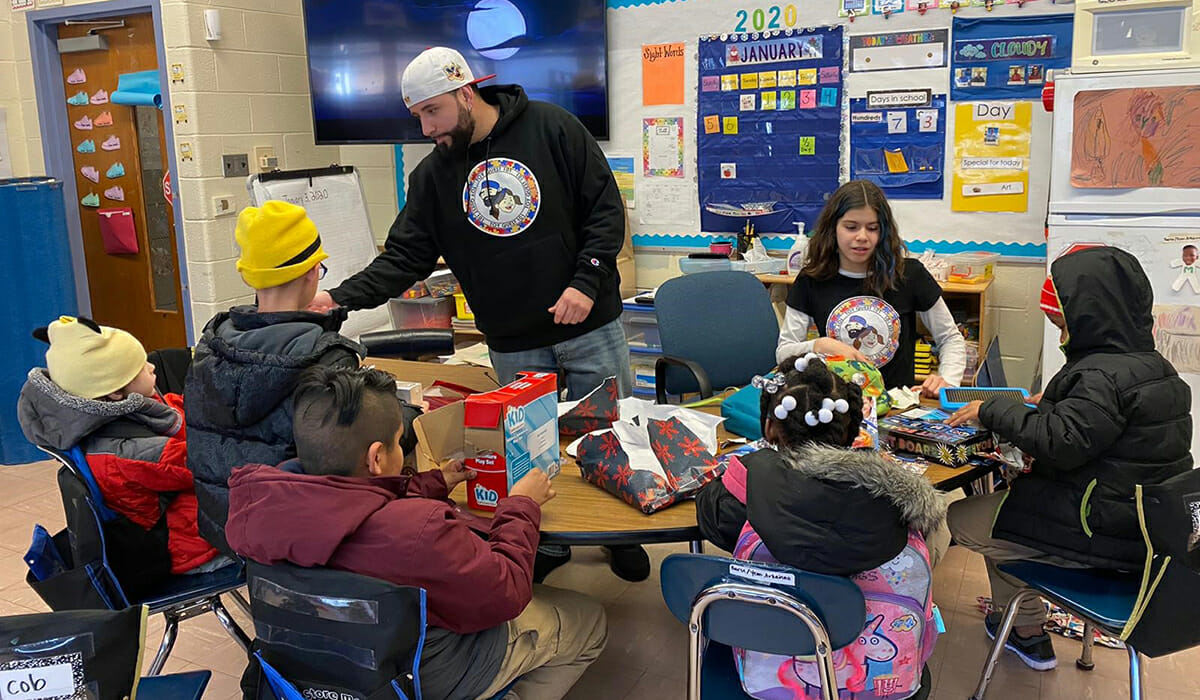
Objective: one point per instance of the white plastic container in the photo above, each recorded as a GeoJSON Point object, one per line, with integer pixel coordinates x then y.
{"type": "Point", "coordinates": [972, 267]}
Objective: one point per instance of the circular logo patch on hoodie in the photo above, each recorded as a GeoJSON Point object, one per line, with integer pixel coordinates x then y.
{"type": "Point", "coordinates": [501, 197]}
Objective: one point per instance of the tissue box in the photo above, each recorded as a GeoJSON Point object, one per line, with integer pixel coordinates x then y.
{"type": "Point", "coordinates": [501, 434]}
{"type": "Point", "coordinates": [922, 432]}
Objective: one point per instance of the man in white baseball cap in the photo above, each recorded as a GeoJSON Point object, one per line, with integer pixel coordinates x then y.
{"type": "Point", "coordinates": [437, 73]}
{"type": "Point", "coordinates": [519, 200]}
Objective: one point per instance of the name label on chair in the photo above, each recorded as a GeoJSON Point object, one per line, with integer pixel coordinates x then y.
{"type": "Point", "coordinates": [42, 678]}
{"type": "Point", "coordinates": [762, 575]}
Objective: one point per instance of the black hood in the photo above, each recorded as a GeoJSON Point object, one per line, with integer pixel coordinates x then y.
{"type": "Point", "coordinates": [510, 99]}
{"type": "Point", "coordinates": [1106, 300]}
{"type": "Point", "coordinates": [836, 511]}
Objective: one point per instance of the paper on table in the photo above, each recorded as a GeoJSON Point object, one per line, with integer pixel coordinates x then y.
{"type": "Point", "coordinates": [476, 354]}
{"type": "Point", "coordinates": [667, 203]}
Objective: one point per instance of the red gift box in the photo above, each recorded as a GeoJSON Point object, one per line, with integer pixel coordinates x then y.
{"type": "Point", "coordinates": [117, 231]}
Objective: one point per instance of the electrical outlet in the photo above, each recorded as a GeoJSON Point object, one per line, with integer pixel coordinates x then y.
{"type": "Point", "coordinates": [264, 159]}
{"type": "Point", "coordinates": [222, 205]}
{"type": "Point", "coordinates": [236, 165]}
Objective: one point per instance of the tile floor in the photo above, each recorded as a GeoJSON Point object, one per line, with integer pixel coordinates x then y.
{"type": "Point", "coordinates": [646, 654]}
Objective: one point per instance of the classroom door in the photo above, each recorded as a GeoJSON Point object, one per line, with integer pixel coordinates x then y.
{"type": "Point", "coordinates": [119, 163]}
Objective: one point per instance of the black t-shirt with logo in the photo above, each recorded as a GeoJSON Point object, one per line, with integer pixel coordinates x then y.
{"type": "Point", "coordinates": [885, 330]}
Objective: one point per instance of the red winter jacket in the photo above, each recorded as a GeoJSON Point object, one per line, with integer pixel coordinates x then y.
{"type": "Point", "coordinates": [400, 529]}
{"type": "Point", "coordinates": [136, 450]}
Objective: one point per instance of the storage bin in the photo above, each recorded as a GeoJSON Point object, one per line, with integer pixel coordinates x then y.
{"type": "Point", "coordinates": [643, 370]}
{"type": "Point", "coordinates": [426, 312]}
{"type": "Point", "coordinates": [641, 326]}
{"type": "Point", "coordinates": [972, 267]}
{"type": "Point", "coordinates": [461, 308]}
{"type": "Point", "coordinates": [691, 265]}
{"type": "Point", "coordinates": [773, 266]}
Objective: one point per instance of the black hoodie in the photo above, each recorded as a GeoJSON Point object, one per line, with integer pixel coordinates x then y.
{"type": "Point", "coordinates": [543, 187]}
{"type": "Point", "coordinates": [1116, 415]}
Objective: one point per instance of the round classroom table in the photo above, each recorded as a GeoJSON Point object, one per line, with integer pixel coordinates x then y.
{"type": "Point", "coordinates": [584, 514]}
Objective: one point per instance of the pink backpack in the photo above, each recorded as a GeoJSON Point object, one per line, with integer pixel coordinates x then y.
{"type": "Point", "coordinates": [887, 659]}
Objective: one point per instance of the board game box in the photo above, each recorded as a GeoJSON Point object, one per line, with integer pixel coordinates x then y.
{"type": "Point", "coordinates": [924, 432]}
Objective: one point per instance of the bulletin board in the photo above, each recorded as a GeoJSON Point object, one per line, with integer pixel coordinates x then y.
{"type": "Point", "coordinates": [681, 227]}
{"type": "Point", "coordinates": [1006, 58]}
{"type": "Point", "coordinates": [771, 107]}
{"type": "Point", "coordinates": [901, 148]}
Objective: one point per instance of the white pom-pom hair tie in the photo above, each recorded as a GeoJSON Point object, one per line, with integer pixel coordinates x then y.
{"type": "Point", "coordinates": [786, 405]}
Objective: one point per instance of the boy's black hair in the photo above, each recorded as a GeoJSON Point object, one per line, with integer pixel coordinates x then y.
{"type": "Point", "coordinates": [809, 387]}
{"type": "Point", "coordinates": [338, 413]}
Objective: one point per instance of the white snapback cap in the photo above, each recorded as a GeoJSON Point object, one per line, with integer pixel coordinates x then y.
{"type": "Point", "coordinates": [434, 72]}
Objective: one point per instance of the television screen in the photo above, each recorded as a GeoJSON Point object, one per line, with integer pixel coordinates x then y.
{"type": "Point", "coordinates": [358, 49]}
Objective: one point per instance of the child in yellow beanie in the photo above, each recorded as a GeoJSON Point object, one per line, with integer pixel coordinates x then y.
{"type": "Point", "coordinates": [238, 396]}
{"type": "Point", "coordinates": [97, 391]}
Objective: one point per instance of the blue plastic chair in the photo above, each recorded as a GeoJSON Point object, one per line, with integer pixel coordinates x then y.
{"type": "Point", "coordinates": [180, 598]}
{"type": "Point", "coordinates": [1102, 599]}
{"type": "Point", "coordinates": [718, 330]}
{"type": "Point", "coordinates": [765, 607]}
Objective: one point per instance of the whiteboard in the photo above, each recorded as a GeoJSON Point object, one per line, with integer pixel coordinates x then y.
{"type": "Point", "coordinates": [335, 203]}
{"type": "Point", "coordinates": [1066, 199]}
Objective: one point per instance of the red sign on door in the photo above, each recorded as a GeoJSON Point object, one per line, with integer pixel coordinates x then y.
{"type": "Point", "coordinates": [166, 186]}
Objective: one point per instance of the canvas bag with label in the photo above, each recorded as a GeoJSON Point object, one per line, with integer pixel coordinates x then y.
{"type": "Point", "coordinates": [1166, 618]}
{"type": "Point", "coordinates": [93, 654]}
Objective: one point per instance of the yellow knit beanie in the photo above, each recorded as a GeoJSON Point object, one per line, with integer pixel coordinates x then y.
{"type": "Point", "coordinates": [90, 360]}
{"type": "Point", "coordinates": [279, 244]}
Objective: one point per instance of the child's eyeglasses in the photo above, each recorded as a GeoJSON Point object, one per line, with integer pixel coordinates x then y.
{"type": "Point", "coordinates": [321, 274]}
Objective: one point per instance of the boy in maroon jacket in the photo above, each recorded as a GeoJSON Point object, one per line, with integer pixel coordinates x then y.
{"type": "Point", "coordinates": [344, 504]}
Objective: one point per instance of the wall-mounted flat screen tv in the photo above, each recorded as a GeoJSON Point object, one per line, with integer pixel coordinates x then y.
{"type": "Point", "coordinates": [358, 49]}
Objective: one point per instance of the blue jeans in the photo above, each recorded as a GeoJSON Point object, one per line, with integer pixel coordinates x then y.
{"type": "Point", "coordinates": [586, 361]}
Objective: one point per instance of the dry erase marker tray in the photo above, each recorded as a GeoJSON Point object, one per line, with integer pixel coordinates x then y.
{"type": "Point", "coordinates": [923, 431]}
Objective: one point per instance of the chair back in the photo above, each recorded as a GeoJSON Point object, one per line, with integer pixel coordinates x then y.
{"type": "Point", "coordinates": [84, 653]}
{"type": "Point", "coordinates": [409, 343]}
{"type": "Point", "coordinates": [723, 321]}
{"type": "Point", "coordinates": [327, 631]}
{"type": "Point", "coordinates": [772, 629]}
{"type": "Point", "coordinates": [124, 561]}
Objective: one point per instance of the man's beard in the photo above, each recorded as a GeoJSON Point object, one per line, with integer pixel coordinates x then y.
{"type": "Point", "coordinates": [460, 135]}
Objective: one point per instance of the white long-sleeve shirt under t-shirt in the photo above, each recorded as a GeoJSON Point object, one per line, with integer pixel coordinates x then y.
{"type": "Point", "coordinates": [793, 336]}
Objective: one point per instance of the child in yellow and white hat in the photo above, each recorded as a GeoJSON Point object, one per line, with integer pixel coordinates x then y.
{"type": "Point", "coordinates": [97, 392]}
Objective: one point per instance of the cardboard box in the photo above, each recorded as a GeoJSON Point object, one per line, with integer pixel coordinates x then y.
{"type": "Point", "coordinates": [426, 373]}
{"type": "Point", "coordinates": [501, 434]}
{"type": "Point", "coordinates": [922, 432]}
